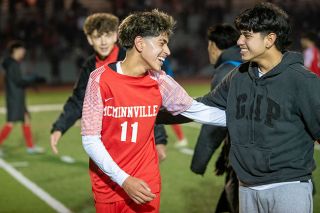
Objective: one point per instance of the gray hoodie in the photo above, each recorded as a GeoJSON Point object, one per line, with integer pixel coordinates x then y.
{"type": "Point", "coordinates": [272, 120]}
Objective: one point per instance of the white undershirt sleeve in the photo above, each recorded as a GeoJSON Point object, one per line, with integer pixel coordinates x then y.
{"type": "Point", "coordinates": [205, 114]}
{"type": "Point", "coordinates": [91, 125]}
{"type": "Point", "coordinates": [98, 153]}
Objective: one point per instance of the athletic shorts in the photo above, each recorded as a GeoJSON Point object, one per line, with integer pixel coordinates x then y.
{"type": "Point", "coordinates": [129, 206]}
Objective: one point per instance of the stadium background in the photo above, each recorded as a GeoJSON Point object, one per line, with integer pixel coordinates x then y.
{"type": "Point", "coordinates": [57, 47]}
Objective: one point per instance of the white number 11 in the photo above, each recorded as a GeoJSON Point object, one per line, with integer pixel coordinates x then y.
{"type": "Point", "coordinates": [134, 127]}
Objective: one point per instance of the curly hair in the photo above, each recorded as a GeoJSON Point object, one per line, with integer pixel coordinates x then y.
{"type": "Point", "coordinates": [266, 18]}
{"type": "Point", "coordinates": [144, 24]}
{"type": "Point", "coordinates": [102, 22]}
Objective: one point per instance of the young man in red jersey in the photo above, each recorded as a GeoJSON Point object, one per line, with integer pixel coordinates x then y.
{"type": "Point", "coordinates": [121, 103]}
{"type": "Point", "coordinates": [101, 32]}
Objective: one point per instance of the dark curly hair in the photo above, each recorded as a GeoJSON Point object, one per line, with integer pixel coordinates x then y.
{"type": "Point", "coordinates": [102, 22]}
{"type": "Point", "coordinates": [144, 24]}
{"type": "Point", "coordinates": [266, 18]}
{"type": "Point", "coordinates": [223, 35]}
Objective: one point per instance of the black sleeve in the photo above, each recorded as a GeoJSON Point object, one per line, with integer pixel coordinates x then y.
{"type": "Point", "coordinates": [72, 109]}
{"type": "Point", "coordinates": [165, 117]}
{"type": "Point", "coordinates": [160, 134]}
{"type": "Point", "coordinates": [209, 140]}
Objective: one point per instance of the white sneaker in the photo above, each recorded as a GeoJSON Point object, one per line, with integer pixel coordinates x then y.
{"type": "Point", "coordinates": [35, 150]}
{"type": "Point", "coordinates": [181, 143]}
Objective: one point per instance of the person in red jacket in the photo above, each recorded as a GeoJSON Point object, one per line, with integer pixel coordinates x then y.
{"type": "Point", "coordinates": [101, 32]}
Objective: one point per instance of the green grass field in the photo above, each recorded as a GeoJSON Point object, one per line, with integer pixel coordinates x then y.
{"type": "Point", "coordinates": [182, 191]}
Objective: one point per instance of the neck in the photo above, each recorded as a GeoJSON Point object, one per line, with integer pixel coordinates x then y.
{"type": "Point", "coordinates": [270, 61]}
{"type": "Point", "coordinates": [132, 65]}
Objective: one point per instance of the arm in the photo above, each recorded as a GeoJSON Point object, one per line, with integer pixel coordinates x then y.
{"type": "Point", "coordinates": [91, 124]}
{"type": "Point", "coordinates": [161, 141]}
{"type": "Point", "coordinates": [15, 74]}
{"type": "Point", "coordinates": [210, 138]}
{"type": "Point", "coordinates": [309, 105]}
{"type": "Point", "coordinates": [72, 109]}
{"type": "Point", "coordinates": [205, 114]}
{"type": "Point", "coordinates": [176, 100]}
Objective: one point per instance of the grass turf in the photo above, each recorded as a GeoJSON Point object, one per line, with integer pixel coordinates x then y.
{"type": "Point", "coordinates": [182, 191]}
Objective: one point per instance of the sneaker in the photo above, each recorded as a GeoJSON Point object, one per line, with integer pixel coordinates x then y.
{"type": "Point", "coordinates": [35, 150]}
{"type": "Point", "coordinates": [181, 143]}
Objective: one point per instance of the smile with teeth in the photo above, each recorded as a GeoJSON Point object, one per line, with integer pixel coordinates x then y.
{"type": "Point", "coordinates": [243, 50]}
{"type": "Point", "coordinates": [161, 59]}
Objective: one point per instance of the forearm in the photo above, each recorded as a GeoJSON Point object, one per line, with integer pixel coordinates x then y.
{"type": "Point", "coordinates": [98, 153]}
{"type": "Point", "coordinates": [205, 114]}
{"type": "Point", "coordinates": [165, 117]}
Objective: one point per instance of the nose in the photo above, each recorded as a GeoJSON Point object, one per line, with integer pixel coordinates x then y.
{"type": "Point", "coordinates": [167, 50]}
{"type": "Point", "coordinates": [240, 40]}
{"type": "Point", "coordinates": [104, 39]}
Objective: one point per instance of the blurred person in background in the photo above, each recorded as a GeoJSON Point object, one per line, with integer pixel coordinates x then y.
{"type": "Point", "coordinates": [310, 44]}
{"type": "Point", "coordinates": [101, 32]}
{"type": "Point", "coordinates": [15, 85]}
{"type": "Point", "coordinates": [224, 55]}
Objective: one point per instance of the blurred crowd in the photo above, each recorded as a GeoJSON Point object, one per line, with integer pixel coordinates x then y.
{"type": "Point", "coordinates": [52, 29]}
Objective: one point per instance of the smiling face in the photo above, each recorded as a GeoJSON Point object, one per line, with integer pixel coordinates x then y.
{"type": "Point", "coordinates": [154, 51]}
{"type": "Point", "coordinates": [102, 43]}
{"type": "Point", "coordinates": [253, 45]}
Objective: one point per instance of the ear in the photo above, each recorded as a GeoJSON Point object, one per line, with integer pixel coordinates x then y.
{"type": "Point", "coordinates": [114, 37]}
{"type": "Point", "coordinates": [139, 43]}
{"type": "Point", "coordinates": [89, 40]}
{"type": "Point", "coordinates": [270, 40]}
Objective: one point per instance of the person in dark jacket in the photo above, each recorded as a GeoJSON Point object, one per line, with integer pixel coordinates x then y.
{"type": "Point", "coordinates": [15, 85]}
{"type": "Point", "coordinates": [225, 56]}
{"type": "Point", "coordinates": [101, 31]}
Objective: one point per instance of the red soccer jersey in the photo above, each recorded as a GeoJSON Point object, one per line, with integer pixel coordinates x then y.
{"type": "Point", "coordinates": [130, 106]}
{"type": "Point", "coordinates": [312, 60]}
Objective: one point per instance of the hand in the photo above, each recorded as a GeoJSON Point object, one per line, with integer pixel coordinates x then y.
{"type": "Point", "coordinates": [161, 149]}
{"type": "Point", "coordinates": [138, 190]}
{"type": "Point", "coordinates": [55, 137]}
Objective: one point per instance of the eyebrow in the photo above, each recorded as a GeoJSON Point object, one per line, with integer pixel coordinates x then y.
{"type": "Point", "coordinates": [246, 33]}
{"type": "Point", "coordinates": [163, 40]}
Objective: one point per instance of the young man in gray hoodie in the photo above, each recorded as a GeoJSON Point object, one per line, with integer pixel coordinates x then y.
{"type": "Point", "coordinates": [272, 115]}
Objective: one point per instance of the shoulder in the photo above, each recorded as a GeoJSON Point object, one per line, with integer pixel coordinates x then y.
{"type": "Point", "coordinates": [95, 75]}
{"type": "Point", "coordinates": [157, 75]}
{"type": "Point", "coordinates": [90, 63]}
{"type": "Point", "coordinates": [300, 71]}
